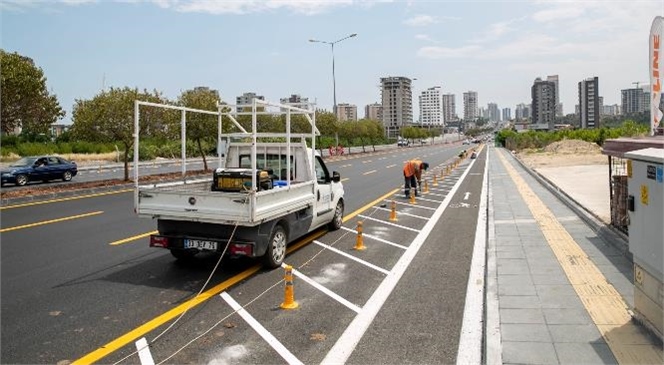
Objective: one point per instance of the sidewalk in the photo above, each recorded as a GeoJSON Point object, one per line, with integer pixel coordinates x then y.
{"type": "Point", "coordinates": [557, 292]}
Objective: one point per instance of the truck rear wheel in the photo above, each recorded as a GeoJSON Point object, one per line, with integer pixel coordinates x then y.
{"type": "Point", "coordinates": [276, 248]}
{"type": "Point", "coordinates": [338, 218]}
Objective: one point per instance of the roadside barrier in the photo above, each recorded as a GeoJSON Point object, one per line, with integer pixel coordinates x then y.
{"type": "Point", "coordinates": [289, 293]}
{"type": "Point", "coordinates": [359, 243]}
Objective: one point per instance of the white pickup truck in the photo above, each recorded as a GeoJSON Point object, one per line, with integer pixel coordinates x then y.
{"type": "Point", "coordinates": [251, 206]}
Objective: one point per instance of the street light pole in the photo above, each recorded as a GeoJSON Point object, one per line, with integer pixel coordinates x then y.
{"type": "Point", "coordinates": [334, 82]}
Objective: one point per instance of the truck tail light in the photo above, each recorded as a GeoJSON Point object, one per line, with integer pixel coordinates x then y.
{"type": "Point", "coordinates": [242, 249]}
{"type": "Point", "coordinates": [158, 241]}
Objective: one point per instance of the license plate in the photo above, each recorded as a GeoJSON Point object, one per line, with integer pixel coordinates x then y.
{"type": "Point", "coordinates": [200, 244]}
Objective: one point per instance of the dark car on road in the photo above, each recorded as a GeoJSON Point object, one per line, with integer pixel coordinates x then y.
{"type": "Point", "coordinates": [39, 168]}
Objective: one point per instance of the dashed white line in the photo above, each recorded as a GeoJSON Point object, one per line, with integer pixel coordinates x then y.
{"type": "Point", "coordinates": [265, 334]}
{"type": "Point", "coordinates": [415, 206]}
{"type": "Point", "coordinates": [365, 263]}
{"type": "Point", "coordinates": [327, 291]}
{"type": "Point", "coordinates": [403, 213]}
{"type": "Point", "coordinates": [388, 223]}
{"type": "Point", "coordinates": [376, 238]}
{"type": "Point", "coordinates": [369, 172]}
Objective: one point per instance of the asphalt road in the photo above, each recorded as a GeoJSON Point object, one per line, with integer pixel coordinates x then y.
{"type": "Point", "coordinates": [68, 294]}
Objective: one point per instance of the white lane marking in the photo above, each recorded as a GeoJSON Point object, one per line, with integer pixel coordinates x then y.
{"type": "Point", "coordinates": [427, 200]}
{"type": "Point", "coordinates": [388, 223]}
{"type": "Point", "coordinates": [466, 195]}
{"type": "Point", "coordinates": [493, 348]}
{"type": "Point", "coordinates": [414, 206]}
{"type": "Point", "coordinates": [435, 194]}
{"type": "Point", "coordinates": [365, 263]}
{"type": "Point", "coordinates": [403, 213]}
{"type": "Point", "coordinates": [470, 339]}
{"type": "Point", "coordinates": [346, 344]}
{"type": "Point", "coordinates": [265, 334]}
{"type": "Point", "coordinates": [144, 354]}
{"type": "Point", "coordinates": [327, 291]}
{"type": "Point", "coordinates": [390, 166]}
{"type": "Point", "coordinates": [375, 238]}
{"type": "Point", "coordinates": [369, 172]}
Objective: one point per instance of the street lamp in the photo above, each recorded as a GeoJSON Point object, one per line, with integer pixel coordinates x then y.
{"type": "Point", "coordinates": [334, 83]}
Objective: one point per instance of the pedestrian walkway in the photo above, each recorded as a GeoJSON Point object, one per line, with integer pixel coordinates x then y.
{"type": "Point", "coordinates": [557, 293]}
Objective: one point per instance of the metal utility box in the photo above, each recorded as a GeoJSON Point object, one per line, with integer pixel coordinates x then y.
{"type": "Point", "coordinates": [645, 205]}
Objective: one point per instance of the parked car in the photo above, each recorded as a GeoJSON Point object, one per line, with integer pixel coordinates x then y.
{"type": "Point", "coordinates": [403, 142]}
{"type": "Point", "coordinates": [473, 155]}
{"type": "Point", "coordinates": [39, 168]}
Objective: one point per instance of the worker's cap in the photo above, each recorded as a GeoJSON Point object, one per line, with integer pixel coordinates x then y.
{"type": "Point", "coordinates": [425, 166]}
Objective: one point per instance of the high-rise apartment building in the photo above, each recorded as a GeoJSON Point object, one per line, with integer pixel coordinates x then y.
{"type": "Point", "coordinates": [589, 103]}
{"type": "Point", "coordinates": [559, 105]}
{"type": "Point", "coordinates": [397, 100]}
{"type": "Point", "coordinates": [470, 110]}
{"type": "Point", "coordinates": [507, 114]}
{"type": "Point", "coordinates": [634, 101]}
{"type": "Point", "coordinates": [245, 101]}
{"type": "Point", "coordinates": [522, 111]}
{"type": "Point", "coordinates": [346, 112]}
{"type": "Point", "coordinates": [449, 108]}
{"type": "Point", "coordinates": [493, 112]}
{"type": "Point", "coordinates": [544, 104]}
{"type": "Point", "coordinates": [431, 107]}
{"type": "Point", "coordinates": [296, 100]}
{"type": "Point", "coordinates": [373, 112]}
{"type": "Point", "coordinates": [611, 109]}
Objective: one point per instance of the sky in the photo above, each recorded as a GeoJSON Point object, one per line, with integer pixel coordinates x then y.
{"type": "Point", "coordinates": [496, 48]}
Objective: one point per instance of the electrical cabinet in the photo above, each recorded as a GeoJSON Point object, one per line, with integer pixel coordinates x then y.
{"type": "Point", "coordinates": [645, 205]}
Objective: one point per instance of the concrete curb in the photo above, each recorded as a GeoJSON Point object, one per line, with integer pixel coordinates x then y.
{"type": "Point", "coordinates": [606, 232]}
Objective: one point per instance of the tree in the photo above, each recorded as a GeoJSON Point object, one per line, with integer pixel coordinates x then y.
{"type": "Point", "coordinates": [201, 126]}
{"type": "Point", "coordinates": [109, 117]}
{"type": "Point", "coordinates": [26, 102]}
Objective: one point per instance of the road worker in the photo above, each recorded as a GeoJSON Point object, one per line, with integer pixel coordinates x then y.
{"type": "Point", "coordinates": [412, 174]}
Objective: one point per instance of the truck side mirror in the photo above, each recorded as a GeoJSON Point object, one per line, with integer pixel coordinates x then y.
{"type": "Point", "coordinates": [335, 176]}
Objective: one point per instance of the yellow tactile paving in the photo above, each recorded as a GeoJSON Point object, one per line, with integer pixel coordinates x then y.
{"type": "Point", "coordinates": [629, 344]}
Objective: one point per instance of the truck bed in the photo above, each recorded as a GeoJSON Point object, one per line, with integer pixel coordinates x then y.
{"type": "Point", "coordinates": [195, 201]}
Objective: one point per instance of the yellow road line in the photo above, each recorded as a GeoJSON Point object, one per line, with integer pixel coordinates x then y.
{"type": "Point", "coordinates": [369, 172]}
{"type": "Point", "coordinates": [359, 211]}
{"type": "Point", "coordinates": [130, 336]}
{"type": "Point", "coordinates": [66, 199]}
{"type": "Point", "coordinates": [51, 221]}
{"type": "Point", "coordinates": [602, 301]}
{"type": "Point", "coordinates": [134, 238]}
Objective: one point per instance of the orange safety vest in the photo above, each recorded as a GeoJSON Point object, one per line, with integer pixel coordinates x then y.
{"type": "Point", "coordinates": [411, 167]}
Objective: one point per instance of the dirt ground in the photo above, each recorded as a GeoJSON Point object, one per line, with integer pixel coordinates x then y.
{"type": "Point", "coordinates": [564, 153]}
